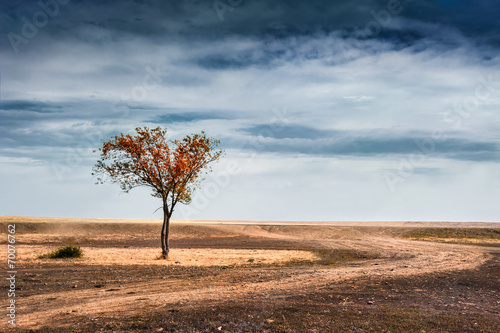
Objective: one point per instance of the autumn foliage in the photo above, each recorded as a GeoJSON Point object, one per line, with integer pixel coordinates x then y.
{"type": "Point", "coordinates": [173, 169]}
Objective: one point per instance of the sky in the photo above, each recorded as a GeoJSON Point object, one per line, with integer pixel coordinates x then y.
{"type": "Point", "coordinates": [327, 110]}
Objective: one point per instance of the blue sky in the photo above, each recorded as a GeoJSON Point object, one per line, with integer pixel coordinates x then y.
{"type": "Point", "coordinates": [345, 110]}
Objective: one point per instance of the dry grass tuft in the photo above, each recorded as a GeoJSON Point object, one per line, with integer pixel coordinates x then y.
{"type": "Point", "coordinates": [63, 252]}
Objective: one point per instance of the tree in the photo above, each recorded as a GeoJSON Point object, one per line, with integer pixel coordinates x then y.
{"type": "Point", "coordinates": [172, 169]}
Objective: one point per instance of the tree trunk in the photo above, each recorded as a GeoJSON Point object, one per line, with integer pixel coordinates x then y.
{"type": "Point", "coordinates": [164, 235]}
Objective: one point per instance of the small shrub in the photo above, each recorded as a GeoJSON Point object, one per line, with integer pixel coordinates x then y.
{"type": "Point", "coordinates": [64, 252]}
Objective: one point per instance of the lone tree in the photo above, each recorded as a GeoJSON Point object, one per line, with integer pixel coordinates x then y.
{"type": "Point", "coordinates": [173, 169]}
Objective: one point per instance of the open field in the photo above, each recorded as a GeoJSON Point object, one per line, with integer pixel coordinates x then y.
{"type": "Point", "coordinates": [243, 276]}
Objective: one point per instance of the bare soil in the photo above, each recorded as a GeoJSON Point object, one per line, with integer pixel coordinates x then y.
{"type": "Point", "coordinates": [242, 276]}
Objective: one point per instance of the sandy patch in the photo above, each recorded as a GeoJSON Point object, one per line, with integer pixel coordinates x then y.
{"type": "Point", "coordinates": [28, 255]}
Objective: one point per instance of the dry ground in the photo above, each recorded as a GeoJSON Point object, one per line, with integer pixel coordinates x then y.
{"type": "Point", "coordinates": [253, 277]}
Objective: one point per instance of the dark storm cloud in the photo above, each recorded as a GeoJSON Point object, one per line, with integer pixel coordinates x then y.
{"type": "Point", "coordinates": [261, 57]}
{"type": "Point", "coordinates": [458, 150]}
{"type": "Point", "coordinates": [477, 19]}
{"type": "Point", "coordinates": [219, 62]}
{"type": "Point", "coordinates": [235, 62]}
{"type": "Point", "coordinates": [52, 124]}
{"type": "Point", "coordinates": [180, 21]}
{"type": "Point", "coordinates": [39, 107]}
{"type": "Point", "coordinates": [291, 132]}
{"type": "Point", "coordinates": [312, 141]}
{"type": "Point", "coordinates": [186, 117]}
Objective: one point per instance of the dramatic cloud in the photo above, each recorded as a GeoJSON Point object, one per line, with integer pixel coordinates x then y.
{"type": "Point", "coordinates": [379, 109]}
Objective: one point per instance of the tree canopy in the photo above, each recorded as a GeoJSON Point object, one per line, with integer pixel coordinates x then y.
{"type": "Point", "coordinates": [171, 168]}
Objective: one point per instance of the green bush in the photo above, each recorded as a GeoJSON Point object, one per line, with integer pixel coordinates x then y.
{"type": "Point", "coordinates": [64, 252]}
